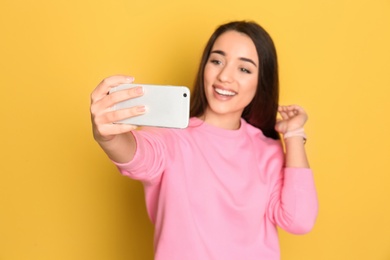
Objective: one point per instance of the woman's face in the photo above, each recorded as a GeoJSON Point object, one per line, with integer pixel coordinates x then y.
{"type": "Point", "coordinates": [230, 77]}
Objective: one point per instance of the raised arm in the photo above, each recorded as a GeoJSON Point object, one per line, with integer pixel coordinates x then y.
{"type": "Point", "coordinates": [115, 139]}
{"type": "Point", "coordinates": [295, 201]}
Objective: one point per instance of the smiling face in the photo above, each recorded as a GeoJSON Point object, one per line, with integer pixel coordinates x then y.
{"type": "Point", "coordinates": [230, 79]}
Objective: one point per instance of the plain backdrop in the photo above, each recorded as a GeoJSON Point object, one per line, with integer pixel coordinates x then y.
{"type": "Point", "coordinates": [61, 198]}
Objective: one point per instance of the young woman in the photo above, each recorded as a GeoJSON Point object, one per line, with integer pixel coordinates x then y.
{"type": "Point", "coordinates": [219, 188]}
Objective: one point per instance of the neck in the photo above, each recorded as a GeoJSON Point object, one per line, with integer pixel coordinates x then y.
{"type": "Point", "coordinates": [226, 122]}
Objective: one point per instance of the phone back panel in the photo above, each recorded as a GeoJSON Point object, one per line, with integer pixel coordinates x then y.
{"type": "Point", "coordinates": [166, 106]}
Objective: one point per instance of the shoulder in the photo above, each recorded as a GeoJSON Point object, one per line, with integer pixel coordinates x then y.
{"type": "Point", "coordinates": [267, 147]}
{"type": "Point", "coordinates": [258, 135]}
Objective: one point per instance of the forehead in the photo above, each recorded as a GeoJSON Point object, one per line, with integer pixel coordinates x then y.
{"type": "Point", "coordinates": [234, 43]}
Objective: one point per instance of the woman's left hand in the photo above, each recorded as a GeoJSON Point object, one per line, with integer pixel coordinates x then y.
{"type": "Point", "coordinates": [293, 117]}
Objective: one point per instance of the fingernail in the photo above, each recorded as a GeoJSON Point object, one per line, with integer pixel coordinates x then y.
{"type": "Point", "coordinates": [141, 109]}
{"type": "Point", "coordinates": [129, 79]}
{"type": "Point", "coordinates": [139, 90]}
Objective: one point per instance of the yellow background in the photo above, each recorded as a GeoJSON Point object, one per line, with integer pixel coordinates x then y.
{"type": "Point", "coordinates": [60, 197]}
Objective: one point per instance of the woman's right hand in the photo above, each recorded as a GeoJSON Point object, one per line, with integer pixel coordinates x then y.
{"type": "Point", "coordinates": [102, 114]}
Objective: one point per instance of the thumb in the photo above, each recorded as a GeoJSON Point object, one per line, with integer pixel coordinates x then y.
{"type": "Point", "coordinates": [281, 126]}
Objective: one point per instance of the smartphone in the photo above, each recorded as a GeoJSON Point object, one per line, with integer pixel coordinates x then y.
{"type": "Point", "coordinates": [166, 106]}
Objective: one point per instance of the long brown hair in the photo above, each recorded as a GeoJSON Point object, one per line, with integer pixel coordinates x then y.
{"type": "Point", "coordinates": [262, 110]}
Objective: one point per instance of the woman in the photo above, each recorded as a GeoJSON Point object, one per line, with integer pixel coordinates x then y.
{"type": "Point", "coordinates": [219, 188]}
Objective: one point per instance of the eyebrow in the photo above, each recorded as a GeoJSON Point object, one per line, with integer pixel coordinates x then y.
{"type": "Point", "coordinates": [240, 58]}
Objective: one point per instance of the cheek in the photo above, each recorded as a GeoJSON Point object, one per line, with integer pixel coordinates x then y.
{"type": "Point", "coordinates": [207, 74]}
{"type": "Point", "coordinates": [208, 79]}
{"type": "Point", "coordinates": [250, 91]}
{"type": "Point", "coordinates": [252, 87]}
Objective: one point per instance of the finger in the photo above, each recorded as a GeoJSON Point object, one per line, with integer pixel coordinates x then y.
{"type": "Point", "coordinates": [107, 103]}
{"type": "Point", "coordinates": [106, 84]}
{"type": "Point", "coordinates": [123, 95]}
{"type": "Point", "coordinates": [292, 113]}
{"type": "Point", "coordinates": [299, 111]}
{"type": "Point", "coordinates": [281, 108]}
{"type": "Point", "coordinates": [292, 110]}
{"type": "Point", "coordinates": [118, 115]}
{"type": "Point", "coordinates": [296, 108]}
{"type": "Point", "coordinates": [281, 126]}
{"type": "Point", "coordinates": [284, 115]}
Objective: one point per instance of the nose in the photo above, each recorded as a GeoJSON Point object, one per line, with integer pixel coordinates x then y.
{"type": "Point", "coordinates": [226, 74]}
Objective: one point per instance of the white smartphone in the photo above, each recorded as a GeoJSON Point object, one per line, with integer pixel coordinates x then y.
{"type": "Point", "coordinates": [166, 106]}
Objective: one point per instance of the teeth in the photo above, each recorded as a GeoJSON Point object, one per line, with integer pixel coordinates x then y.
{"type": "Point", "coordinates": [225, 92]}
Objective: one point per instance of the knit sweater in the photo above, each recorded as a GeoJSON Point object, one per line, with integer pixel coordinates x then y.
{"type": "Point", "coordinates": [214, 193]}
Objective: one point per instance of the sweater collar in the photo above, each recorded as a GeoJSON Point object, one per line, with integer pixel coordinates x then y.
{"type": "Point", "coordinates": [202, 125]}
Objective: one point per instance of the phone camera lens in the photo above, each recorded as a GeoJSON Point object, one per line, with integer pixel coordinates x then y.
{"type": "Point", "coordinates": [185, 95]}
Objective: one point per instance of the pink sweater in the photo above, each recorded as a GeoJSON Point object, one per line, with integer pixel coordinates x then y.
{"type": "Point", "coordinates": [219, 194]}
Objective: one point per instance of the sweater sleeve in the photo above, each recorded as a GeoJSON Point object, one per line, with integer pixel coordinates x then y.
{"type": "Point", "coordinates": [294, 203]}
{"type": "Point", "coordinates": [149, 159]}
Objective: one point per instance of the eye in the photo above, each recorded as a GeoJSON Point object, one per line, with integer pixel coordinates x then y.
{"type": "Point", "coordinates": [214, 61]}
{"type": "Point", "coordinates": [245, 70]}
